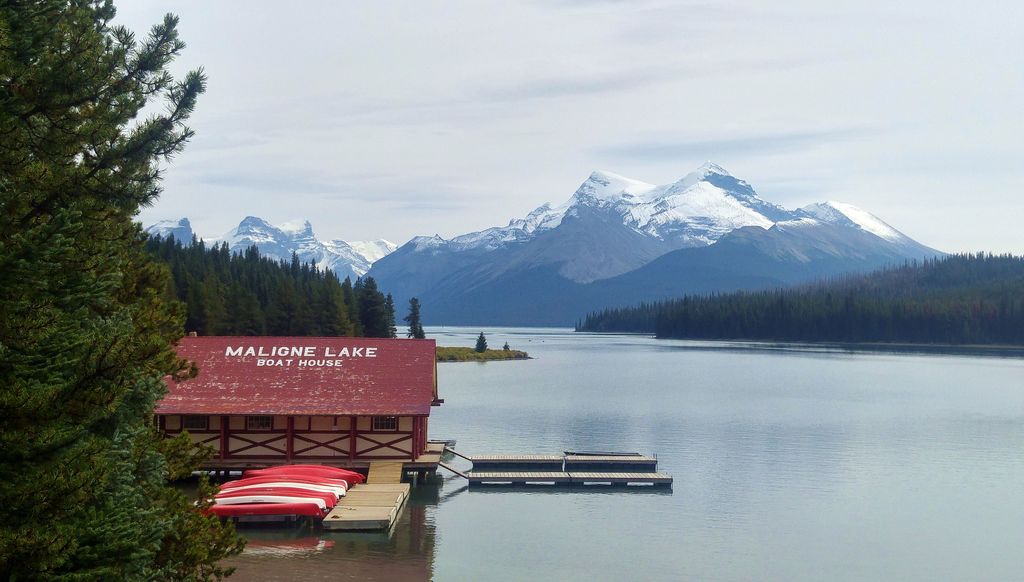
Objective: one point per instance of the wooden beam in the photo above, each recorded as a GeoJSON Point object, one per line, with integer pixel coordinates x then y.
{"type": "Point", "coordinates": [290, 448]}
{"type": "Point", "coordinates": [223, 437]}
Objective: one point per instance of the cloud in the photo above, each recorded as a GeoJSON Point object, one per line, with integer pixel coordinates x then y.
{"type": "Point", "coordinates": [568, 86]}
{"type": "Point", "coordinates": [759, 144]}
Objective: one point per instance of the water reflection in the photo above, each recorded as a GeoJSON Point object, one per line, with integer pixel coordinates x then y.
{"type": "Point", "coordinates": [404, 553]}
{"type": "Point", "coordinates": [789, 464]}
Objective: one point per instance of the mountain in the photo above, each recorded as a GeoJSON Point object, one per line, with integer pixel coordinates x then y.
{"type": "Point", "coordinates": [180, 229]}
{"type": "Point", "coordinates": [618, 241]}
{"type": "Point", "coordinates": [346, 259]}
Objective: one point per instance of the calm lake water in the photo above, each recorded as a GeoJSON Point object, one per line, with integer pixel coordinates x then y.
{"type": "Point", "coordinates": [789, 464]}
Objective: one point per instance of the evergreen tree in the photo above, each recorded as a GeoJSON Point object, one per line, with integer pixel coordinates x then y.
{"type": "Point", "coordinates": [389, 307]}
{"type": "Point", "coordinates": [373, 311]}
{"type": "Point", "coordinates": [481, 343]}
{"type": "Point", "coordinates": [86, 327]}
{"type": "Point", "coordinates": [413, 319]}
{"type": "Point", "coordinates": [506, 347]}
{"type": "Point", "coordinates": [958, 299]}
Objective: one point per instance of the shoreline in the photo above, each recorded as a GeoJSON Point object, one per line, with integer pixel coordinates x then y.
{"type": "Point", "coordinates": [972, 349]}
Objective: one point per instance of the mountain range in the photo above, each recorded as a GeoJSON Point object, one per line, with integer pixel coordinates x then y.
{"type": "Point", "coordinates": [346, 259]}
{"type": "Point", "coordinates": [615, 242]}
{"type": "Point", "coordinates": [619, 241]}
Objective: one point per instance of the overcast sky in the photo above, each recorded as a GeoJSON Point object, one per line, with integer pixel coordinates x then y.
{"type": "Point", "coordinates": [391, 119]}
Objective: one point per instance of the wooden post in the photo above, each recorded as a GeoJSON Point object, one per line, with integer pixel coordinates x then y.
{"type": "Point", "coordinates": [223, 437]}
{"type": "Point", "coordinates": [352, 438]}
{"type": "Point", "coordinates": [290, 438]}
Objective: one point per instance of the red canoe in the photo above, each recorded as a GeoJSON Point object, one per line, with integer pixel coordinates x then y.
{"type": "Point", "coordinates": [308, 471]}
{"type": "Point", "coordinates": [320, 481]}
{"type": "Point", "coordinates": [338, 490]}
{"type": "Point", "coordinates": [270, 509]}
{"type": "Point", "coordinates": [226, 497]}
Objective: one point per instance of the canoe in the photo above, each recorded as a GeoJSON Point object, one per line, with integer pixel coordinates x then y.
{"type": "Point", "coordinates": [308, 471]}
{"type": "Point", "coordinates": [335, 490]}
{"type": "Point", "coordinates": [268, 509]}
{"type": "Point", "coordinates": [329, 498]}
{"type": "Point", "coordinates": [322, 500]}
{"type": "Point", "coordinates": [323, 481]}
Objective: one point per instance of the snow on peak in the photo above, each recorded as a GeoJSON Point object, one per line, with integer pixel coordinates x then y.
{"type": "Point", "coordinates": [427, 242]}
{"type": "Point", "coordinates": [608, 186]}
{"type": "Point", "coordinates": [297, 227]}
{"type": "Point", "coordinates": [373, 250]}
{"type": "Point", "coordinates": [180, 229]}
{"type": "Point", "coordinates": [707, 170]}
{"type": "Point", "coordinates": [709, 167]}
{"type": "Point", "coordinates": [842, 213]}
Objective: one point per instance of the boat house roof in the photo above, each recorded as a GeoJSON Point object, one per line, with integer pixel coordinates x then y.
{"type": "Point", "coordinates": [304, 376]}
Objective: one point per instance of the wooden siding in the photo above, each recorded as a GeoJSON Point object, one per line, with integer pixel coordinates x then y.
{"type": "Point", "coordinates": [307, 437]}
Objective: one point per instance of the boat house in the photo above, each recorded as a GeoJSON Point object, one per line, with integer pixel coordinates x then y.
{"type": "Point", "coordinates": [334, 401]}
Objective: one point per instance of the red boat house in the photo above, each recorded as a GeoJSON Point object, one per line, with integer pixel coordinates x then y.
{"type": "Point", "coordinates": [334, 401]}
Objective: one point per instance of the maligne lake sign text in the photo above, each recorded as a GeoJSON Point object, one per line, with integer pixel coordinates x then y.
{"type": "Point", "coordinates": [303, 356]}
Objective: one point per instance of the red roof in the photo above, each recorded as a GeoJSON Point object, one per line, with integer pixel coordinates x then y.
{"type": "Point", "coordinates": [304, 375]}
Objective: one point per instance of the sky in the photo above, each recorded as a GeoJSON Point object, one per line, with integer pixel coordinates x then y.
{"type": "Point", "coordinates": [394, 119]}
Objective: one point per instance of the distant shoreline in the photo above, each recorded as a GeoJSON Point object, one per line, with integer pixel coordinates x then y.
{"type": "Point", "coordinates": [994, 349]}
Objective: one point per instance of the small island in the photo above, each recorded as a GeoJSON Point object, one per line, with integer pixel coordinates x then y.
{"type": "Point", "coordinates": [451, 354]}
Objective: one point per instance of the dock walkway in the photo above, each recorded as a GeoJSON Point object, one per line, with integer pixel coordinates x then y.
{"type": "Point", "coordinates": [564, 463]}
{"type": "Point", "coordinates": [370, 506]}
{"type": "Point", "coordinates": [565, 469]}
{"type": "Point", "coordinates": [566, 478]}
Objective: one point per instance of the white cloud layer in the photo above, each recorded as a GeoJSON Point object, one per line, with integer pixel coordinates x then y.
{"type": "Point", "coordinates": [392, 119]}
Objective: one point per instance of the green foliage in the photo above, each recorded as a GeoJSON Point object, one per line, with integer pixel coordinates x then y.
{"type": "Point", "coordinates": [389, 309]}
{"type": "Point", "coordinates": [229, 293]}
{"type": "Point", "coordinates": [448, 354]}
{"type": "Point", "coordinates": [86, 326]}
{"type": "Point", "coordinates": [413, 319]}
{"type": "Point", "coordinates": [481, 343]}
{"type": "Point", "coordinates": [959, 299]}
{"type": "Point", "coordinates": [506, 347]}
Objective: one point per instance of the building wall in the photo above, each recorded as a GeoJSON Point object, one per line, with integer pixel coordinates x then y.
{"type": "Point", "coordinates": [312, 438]}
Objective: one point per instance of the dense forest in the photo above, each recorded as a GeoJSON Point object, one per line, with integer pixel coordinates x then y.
{"type": "Point", "coordinates": [229, 293]}
{"type": "Point", "coordinates": [957, 299]}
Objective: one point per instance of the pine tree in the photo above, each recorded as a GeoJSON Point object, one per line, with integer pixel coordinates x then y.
{"type": "Point", "coordinates": [481, 343]}
{"type": "Point", "coordinates": [413, 319]}
{"type": "Point", "coordinates": [389, 308]}
{"type": "Point", "coordinates": [86, 327]}
{"type": "Point", "coordinates": [373, 312]}
{"type": "Point", "coordinates": [506, 347]}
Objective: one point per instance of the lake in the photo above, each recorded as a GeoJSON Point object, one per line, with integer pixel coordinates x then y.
{"type": "Point", "coordinates": [789, 464]}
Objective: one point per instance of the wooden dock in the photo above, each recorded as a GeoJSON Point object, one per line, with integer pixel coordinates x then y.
{"type": "Point", "coordinates": [518, 462]}
{"type": "Point", "coordinates": [564, 463]}
{"type": "Point", "coordinates": [386, 472]}
{"type": "Point", "coordinates": [368, 507]}
{"type": "Point", "coordinates": [611, 463]}
{"type": "Point", "coordinates": [566, 478]}
{"type": "Point", "coordinates": [565, 469]}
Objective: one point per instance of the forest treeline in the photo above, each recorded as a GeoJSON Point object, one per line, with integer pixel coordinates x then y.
{"type": "Point", "coordinates": [957, 299]}
{"type": "Point", "coordinates": [228, 293]}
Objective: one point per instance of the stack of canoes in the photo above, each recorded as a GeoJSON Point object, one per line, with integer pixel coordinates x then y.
{"type": "Point", "coordinates": [285, 491]}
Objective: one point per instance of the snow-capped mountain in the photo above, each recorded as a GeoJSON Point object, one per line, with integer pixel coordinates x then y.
{"type": "Point", "coordinates": [605, 245]}
{"type": "Point", "coordinates": [346, 259]}
{"type": "Point", "coordinates": [180, 229]}
{"type": "Point", "coordinates": [696, 210]}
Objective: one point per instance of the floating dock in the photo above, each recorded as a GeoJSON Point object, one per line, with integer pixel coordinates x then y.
{"type": "Point", "coordinates": [374, 505]}
{"type": "Point", "coordinates": [566, 469]}
{"type": "Point", "coordinates": [564, 478]}
{"type": "Point", "coordinates": [368, 507]}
